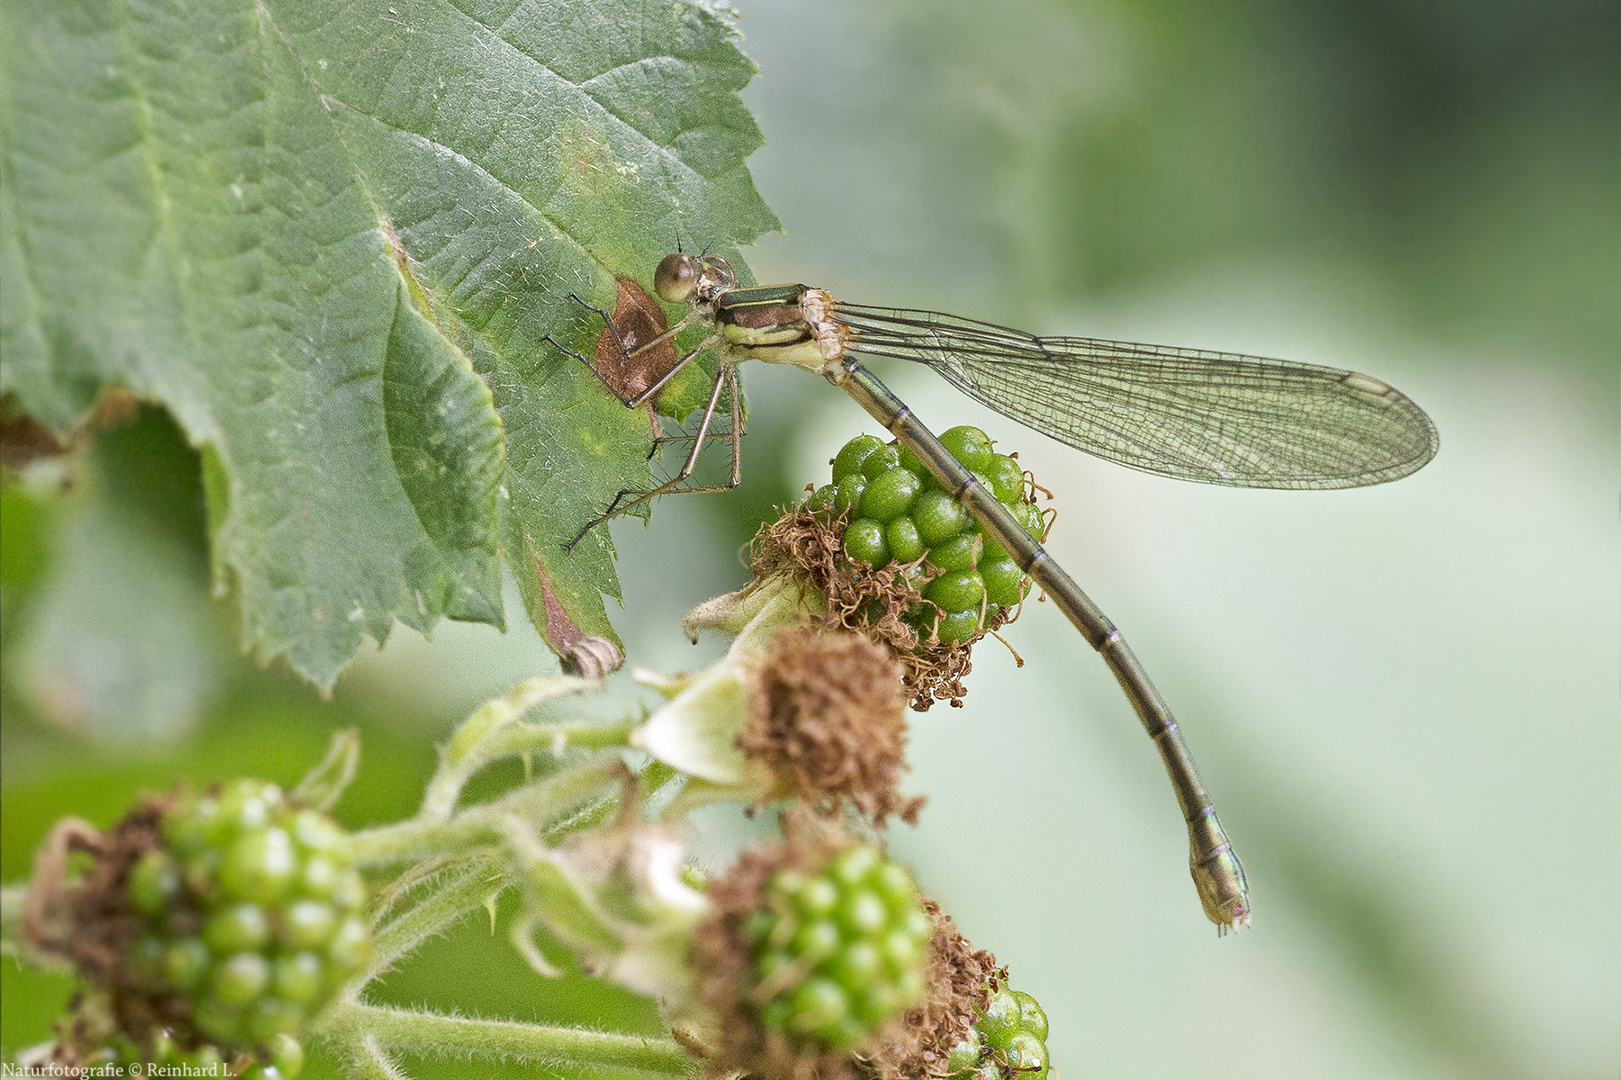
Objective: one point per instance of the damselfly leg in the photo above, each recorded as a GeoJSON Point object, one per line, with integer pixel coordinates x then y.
{"type": "Point", "coordinates": [631, 347]}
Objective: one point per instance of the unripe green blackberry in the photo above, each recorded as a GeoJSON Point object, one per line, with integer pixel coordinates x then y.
{"type": "Point", "coordinates": [252, 915]}
{"type": "Point", "coordinates": [898, 513]}
{"type": "Point", "coordinates": [1008, 1039]}
{"type": "Point", "coordinates": [838, 953]}
{"type": "Point", "coordinates": [817, 947]}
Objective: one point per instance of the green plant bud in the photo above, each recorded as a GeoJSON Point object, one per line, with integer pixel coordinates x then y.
{"type": "Point", "coordinates": [914, 465]}
{"type": "Point", "coordinates": [882, 460]}
{"type": "Point", "coordinates": [1006, 477]}
{"type": "Point", "coordinates": [957, 627]}
{"type": "Point", "coordinates": [241, 978]}
{"type": "Point", "coordinates": [260, 865]}
{"type": "Point", "coordinates": [992, 550]}
{"type": "Point", "coordinates": [857, 450]}
{"type": "Point", "coordinates": [300, 977]}
{"type": "Point", "coordinates": [287, 1055]}
{"type": "Point", "coordinates": [963, 1057]}
{"type": "Point", "coordinates": [244, 805]}
{"type": "Point", "coordinates": [815, 939]}
{"type": "Point", "coordinates": [890, 494]}
{"type": "Point", "coordinates": [314, 831]}
{"type": "Point", "coordinates": [153, 883]}
{"type": "Point", "coordinates": [851, 866]}
{"type": "Point", "coordinates": [217, 1019]}
{"type": "Point", "coordinates": [837, 968]}
{"type": "Point", "coordinates": [1027, 1055]}
{"type": "Point", "coordinates": [819, 1005]}
{"type": "Point", "coordinates": [902, 950]}
{"type": "Point", "coordinates": [959, 553]}
{"type": "Point", "coordinates": [350, 892]}
{"type": "Point", "coordinates": [207, 1060]}
{"type": "Point", "coordinates": [816, 896]}
{"type": "Point", "coordinates": [1005, 583]}
{"type": "Point", "coordinates": [847, 496]}
{"type": "Point", "coordinates": [864, 542]}
{"type": "Point", "coordinates": [319, 877]}
{"type": "Point", "coordinates": [969, 445]}
{"type": "Point", "coordinates": [185, 962]}
{"type": "Point", "coordinates": [895, 885]}
{"type": "Point", "coordinates": [187, 826]}
{"type": "Point", "coordinates": [1028, 515]}
{"type": "Point", "coordinates": [961, 590]}
{"type": "Point", "coordinates": [939, 517]}
{"type": "Point", "coordinates": [857, 966]}
{"type": "Point", "coordinates": [239, 927]}
{"type": "Point", "coordinates": [306, 924]}
{"type": "Point", "coordinates": [863, 913]}
{"type": "Point", "coordinates": [1000, 1020]}
{"type": "Point", "coordinates": [1032, 1018]}
{"type": "Point", "coordinates": [905, 545]}
{"type": "Point", "coordinates": [270, 1017]}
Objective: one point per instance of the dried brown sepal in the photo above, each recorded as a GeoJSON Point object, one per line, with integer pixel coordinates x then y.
{"type": "Point", "coordinates": [827, 714]}
{"type": "Point", "coordinates": [870, 602]}
{"type": "Point", "coordinates": [961, 980]}
{"type": "Point", "coordinates": [724, 962]}
{"type": "Point", "coordinates": [90, 921]}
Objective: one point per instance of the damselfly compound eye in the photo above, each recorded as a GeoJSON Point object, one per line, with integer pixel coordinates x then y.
{"type": "Point", "coordinates": [676, 278]}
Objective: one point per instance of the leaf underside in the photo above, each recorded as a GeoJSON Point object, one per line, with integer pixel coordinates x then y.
{"type": "Point", "coordinates": [331, 238]}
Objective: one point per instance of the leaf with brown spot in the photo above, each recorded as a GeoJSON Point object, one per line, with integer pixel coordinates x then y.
{"type": "Point", "coordinates": [337, 259]}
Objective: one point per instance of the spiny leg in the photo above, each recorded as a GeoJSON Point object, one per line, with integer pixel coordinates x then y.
{"type": "Point", "coordinates": [739, 426]}
{"type": "Point", "coordinates": [727, 379]}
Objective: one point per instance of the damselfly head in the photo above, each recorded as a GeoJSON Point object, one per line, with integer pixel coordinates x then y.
{"type": "Point", "coordinates": [682, 278]}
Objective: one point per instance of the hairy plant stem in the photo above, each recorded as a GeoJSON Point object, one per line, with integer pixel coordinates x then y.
{"type": "Point", "coordinates": [462, 888]}
{"type": "Point", "coordinates": [495, 730]}
{"type": "Point", "coordinates": [358, 1029]}
{"type": "Point", "coordinates": [541, 802]}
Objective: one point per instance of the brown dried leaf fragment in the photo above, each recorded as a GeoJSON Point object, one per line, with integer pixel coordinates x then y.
{"type": "Point", "coordinates": [25, 440]}
{"type": "Point", "coordinates": [590, 656]}
{"type": "Point", "coordinates": [961, 980]}
{"type": "Point", "coordinates": [639, 319]}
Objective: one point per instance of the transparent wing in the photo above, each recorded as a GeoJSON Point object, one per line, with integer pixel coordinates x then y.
{"type": "Point", "coordinates": [1216, 418]}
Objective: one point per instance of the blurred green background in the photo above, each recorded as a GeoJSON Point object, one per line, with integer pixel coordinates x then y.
{"type": "Point", "coordinates": [1404, 699]}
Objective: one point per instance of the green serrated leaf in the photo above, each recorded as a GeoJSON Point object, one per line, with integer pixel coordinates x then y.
{"type": "Point", "coordinates": [333, 241]}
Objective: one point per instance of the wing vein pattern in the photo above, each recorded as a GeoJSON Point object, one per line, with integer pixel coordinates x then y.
{"type": "Point", "coordinates": [1192, 414]}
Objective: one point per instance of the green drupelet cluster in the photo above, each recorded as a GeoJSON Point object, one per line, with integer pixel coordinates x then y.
{"type": "Point", "coordinates": [1009, 1039]}
{"type": "Point", "coordinates": [841, 952]}
{"type": "Point", "coordinates": [253, 912]}
{"type": "Point", "coordinates": [898, 513]}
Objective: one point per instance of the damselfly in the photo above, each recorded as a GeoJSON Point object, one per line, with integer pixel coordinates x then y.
{"type": "Point", "coordinates": [1216, 418]}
